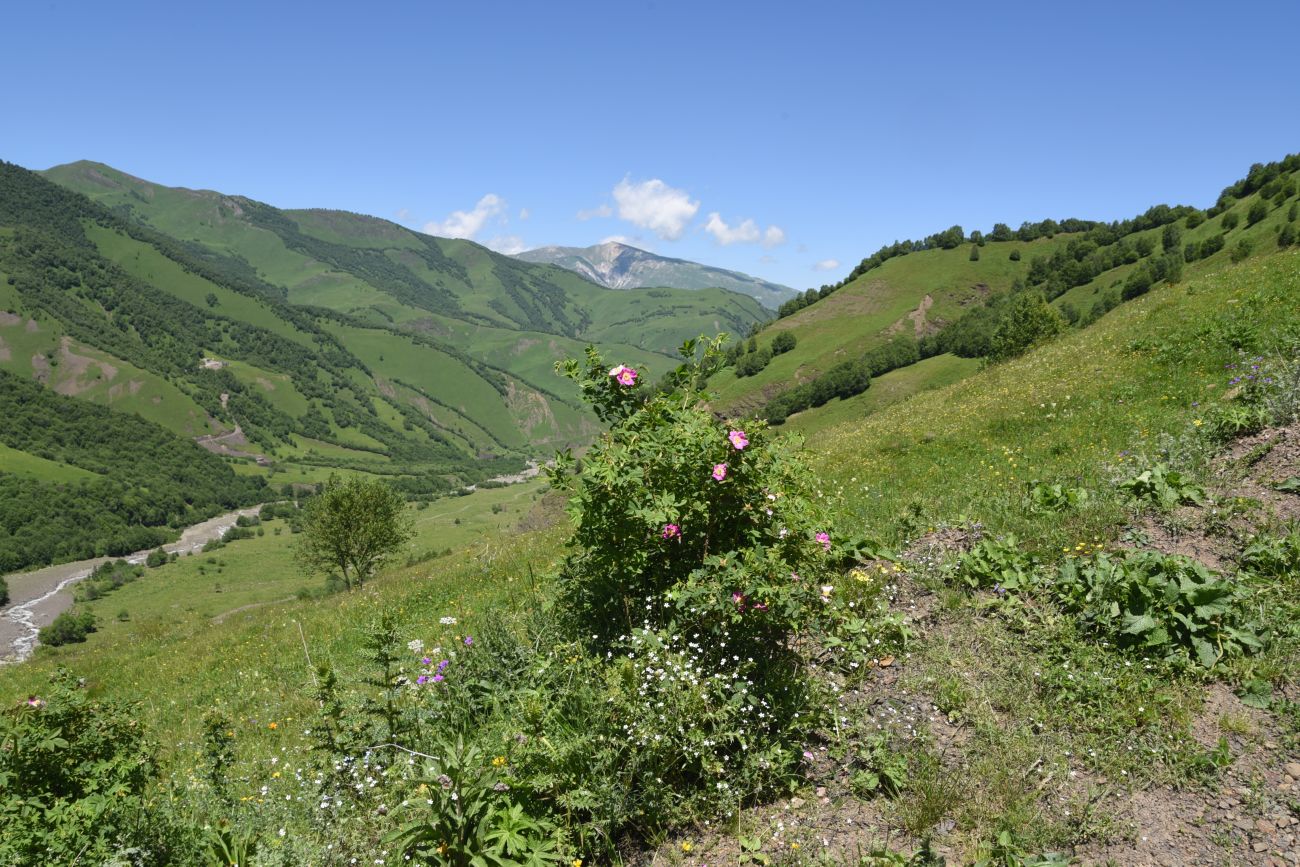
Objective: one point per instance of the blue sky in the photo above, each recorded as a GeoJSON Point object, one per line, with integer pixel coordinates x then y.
{"type": "Point", "coordinates": [786, 140]}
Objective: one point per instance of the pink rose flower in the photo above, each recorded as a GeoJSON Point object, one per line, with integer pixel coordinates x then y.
{"type": "Point", "coordinates": [738, 439]}
{"type": "Point", "coordinates": [624, 375]}
{"type": "Point", "coordinates": [671, 531]}
{"type": "Point", "coordinates": [719, 472]}
{"type": "Point", "coordinates": [825, 539]}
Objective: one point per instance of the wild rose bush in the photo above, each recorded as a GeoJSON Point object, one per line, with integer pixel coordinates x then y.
{"type": "Point", "coordinates": [696, 569]}
{"type": "Point", "coordinates": [687, 521]}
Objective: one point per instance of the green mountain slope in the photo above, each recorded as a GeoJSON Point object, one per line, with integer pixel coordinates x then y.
{"type": "Point", "coordinates": [119, 314]}
{"type": "Point", "coordinates": [942, 300]}
{"type": "Point", "coordinates": [384, 274]}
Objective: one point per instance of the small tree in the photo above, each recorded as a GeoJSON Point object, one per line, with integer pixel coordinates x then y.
{"type": "Point", "coordinates": [1029, 320]}
{"type": "Point", "coordinates": [975, 253]}
{"type": "Point", "coordinates": [1171, 237]}
{"type": "Point", "coordinates": [351, 528]}
{"type": "Point", "coordinates": [1257, 212]}
{"type": "Point", "coordinates": [783, 342]}
{"type": "Point", "coordinates": [1242, 250]}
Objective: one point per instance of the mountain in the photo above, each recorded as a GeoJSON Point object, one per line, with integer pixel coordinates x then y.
{"type": "Point", "coordinates": [369, 279]}
{"type": "Point", "coordinates": [288, 345]}
{"type": "Point", "coordinates": [619, 266]}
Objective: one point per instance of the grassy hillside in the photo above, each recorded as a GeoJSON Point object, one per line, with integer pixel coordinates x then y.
{"type": "Point", "coordinates": [1008, 724]}
{"type": "Point", "coordinates": [948, 292]}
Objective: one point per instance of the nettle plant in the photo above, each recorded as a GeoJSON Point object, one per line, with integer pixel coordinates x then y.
{"type": "Point", "coordinates": [1163, 605]}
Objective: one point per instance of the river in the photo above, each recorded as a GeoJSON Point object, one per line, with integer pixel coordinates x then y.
{"type": "Point", "coordinates": [38, 596]}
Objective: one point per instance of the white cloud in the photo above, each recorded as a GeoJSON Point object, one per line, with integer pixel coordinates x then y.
{"type": "Point", "coordinates": [524, 213]}
{"type": "Point", "coordinates": [508, 244]}
{"type": "Point", "coordinates": [467, 224]}
{"type": "Point", "coordinates": [655, 206]}
{"type": "Point", "coordinates": [826, 265]}
{"type": "Point", "coordinates": [746, 232]}
{"type": "Point", "coordinates": [615, 239]}
{"type": "Point", "coordinates": [599, 211]}
{"type": "Point", "coordinates": [742, 233]}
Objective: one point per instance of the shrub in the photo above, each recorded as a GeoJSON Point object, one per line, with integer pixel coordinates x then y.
{"type": "Point", "coordinates": [1165, 605]}
{"type": "Point", "coordinates": [1241, 250]}
{"type": "Point", "coordinates": [1015, 256]}
{"type": "Point", "coordinates": [1273, 556]}
{"type": "Point", "coordinates": [752, 362]}
{"type": "Point", "coordinates": [157, 557]}
{"type": "Point", "coordinates": [75, 775]}
{"type": "Point", "coordinates": [783, 342]}
{"type": "Point", "coordinates": [1044, 497]}
{"type": "Point", "coordinates": [4, 591]}
{"type": "Point", "coordinates": [1230, 221]}
{"type": "Point", "coordinates": [698, 544]}
{"type": "Point", "coordinates": [1028, 321]}
{"type": "Point", "coordinates": [468, 820]}
{"type": "Point", "coordinates": [1257, 212]}
{"type": "Point", "coordinates": [975, 253]}
{"type": "Point", "coordinates": [70, 627]}
{"type": "Point", "coordinates": [105, 578]}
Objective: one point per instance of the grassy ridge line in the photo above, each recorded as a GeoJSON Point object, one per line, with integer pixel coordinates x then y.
{"type": "Point", "coordinates": [488, 288]}
{"type": "Point", "coordinates": [466, 290]}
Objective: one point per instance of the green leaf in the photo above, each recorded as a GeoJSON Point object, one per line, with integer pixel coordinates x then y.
{"type": "Point", "coordinates": [1256, 693]}
{"type": "Point", "coordinates": [1206, 655]}
{"type": "Point", "coordinates": [1138, 624]}
{"type": "Point", "coordinates": [1289, 485]}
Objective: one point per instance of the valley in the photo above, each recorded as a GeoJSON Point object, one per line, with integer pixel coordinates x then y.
{"type": "Point", "coordinates": [986, 553]}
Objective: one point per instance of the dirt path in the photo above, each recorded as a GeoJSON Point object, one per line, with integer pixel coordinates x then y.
{"type": "Point", "coordinates": [37, 597]}
{"type": "Point", "coordinates": [221, 618]}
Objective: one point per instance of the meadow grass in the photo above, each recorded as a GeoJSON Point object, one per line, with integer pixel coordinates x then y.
{"type": "Point", "coordinates": [885, 390]}
{"type": "Point", "coordinates": [22, 463]}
